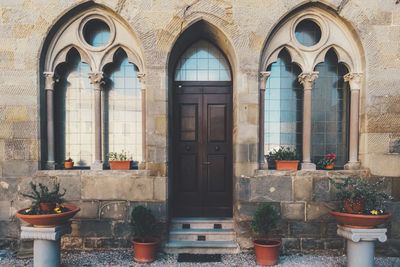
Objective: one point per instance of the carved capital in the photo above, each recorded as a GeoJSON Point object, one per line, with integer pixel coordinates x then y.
{"type": "Point", "coordinates": [50, 79]}
{"type": "Point", "coordinates": [307, 79]}
{"type": "Point", "coordinates": [142, 77]}
{"type": "Point", "coordinates": [264, 75]}
{"type": "Point", "coordinates": [97, 79]}
{"type": "Point", "coordinates": [354, 80]}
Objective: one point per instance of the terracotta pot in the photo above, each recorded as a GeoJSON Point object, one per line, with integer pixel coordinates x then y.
{"type": "Point", "coordinates": [329, 166]}
{"type": "Point", "coordinates": [49, 220]}
{"type": "Point", "coordinates": [68, 164]}
{"type": "Point", "coordinates": [291, 165]}
{"type": "Point", "coordinates": [47, 207]}
{"type": "Point", "coordinates": [144, 252]}
{"type": "Point", "coordinates": [120, 164]}
{"type": "Point", "coordinates": [354, 205]}
{"type": "Point", "coordinates": [360, 220]}
{"type": "Point", "coordinates": [267, 251]}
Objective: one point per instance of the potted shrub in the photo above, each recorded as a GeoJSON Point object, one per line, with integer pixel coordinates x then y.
{"type": "Point", "coordinates": [361, 202]}
{"type": "Point", "coordinates": [285, 158]}
{"type": "Point", "coordinates": [328, 162]}
{"type": "Point", "coordinates": [266, 250]}
{"type": "Point", "coordinates": [47, 207]}
{"type": "Point", "coordinates": [119, 161]}
{"type": "Point", "coordinates": [145, 232]}
{"type": "Point", "coordinates": [68, 163]}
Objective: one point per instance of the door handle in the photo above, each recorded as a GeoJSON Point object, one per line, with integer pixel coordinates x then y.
{"type": "Point", "coordinates": [207, 163]}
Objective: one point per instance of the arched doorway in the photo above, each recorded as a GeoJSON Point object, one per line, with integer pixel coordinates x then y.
{"type": "Point", "coordinates": [202, 133]}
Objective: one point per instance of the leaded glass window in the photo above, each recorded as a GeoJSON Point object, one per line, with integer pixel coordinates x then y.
{"type": "Point", "coordinates": [122, 112]}
{"type": "Point", "coordinates": [330, 101]}
{"type": "Point", "coordinates": [202, 62]}
{"type": "Point", "coordinates": [283, 105]}
{"type": "Point", "coordinates": [74, 116]}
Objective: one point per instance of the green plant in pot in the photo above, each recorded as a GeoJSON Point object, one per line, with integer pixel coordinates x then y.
{"type": "Point", "coordinates": [284, 158]}
{"type": "Point", "coordinates": [361, 202]}
{"type": "Point", "coordinates": [264, 220]}
{"type": "Point", "coordinates": [119, 161]}
{"type": "Point", "coordinates": [47, 207]}
{"type": "Point", "coordinates": [145, 231]}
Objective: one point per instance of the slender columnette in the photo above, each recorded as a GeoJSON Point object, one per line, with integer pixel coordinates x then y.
{"type": "Point", "coordinates": [50, 80]}
{"type": "Point", "coordinates": [142, 80]}
{"type": "Point", "coordinates": [354, 80]}
{"type": "Point", "coordinates": [307, 80]}
{"type": "Point", "coordinates": [262, 164]}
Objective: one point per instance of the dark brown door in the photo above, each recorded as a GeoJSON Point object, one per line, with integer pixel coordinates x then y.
{"type": "Point", "coordinates": [202, 157]}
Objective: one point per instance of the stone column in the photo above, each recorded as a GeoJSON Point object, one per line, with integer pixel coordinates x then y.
{"type": "Point", "coordinates": [96, 78]}
{"type": "Point", "coordinates": [307, 80]}
{"type": "Point", "coordinates": [262, 164]}
{"type": "Point", "coordinates": [50, 80]}
{"type": "Point", "coordinates": [361, 244]}
{"type": "Point", "coordinates": [142, 80]}
{"type": "Point", "coordinates": [354, 80]}
{"type": "Point", "coordinates": [46, 244]}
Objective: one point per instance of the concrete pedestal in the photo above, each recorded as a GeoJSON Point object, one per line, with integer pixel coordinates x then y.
{"type": "Point", "coordinates": [361, 244]}
{"type": "Point", "coordinates": [46, 244]}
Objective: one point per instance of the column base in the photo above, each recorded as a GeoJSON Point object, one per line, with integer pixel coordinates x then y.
{"type": "Point", "coordinates": [263, 165]}
{"type": "Point", "coordinates": [355, 165]}
{"type": "Point", "coordinates": [50, 165]}
{"type": "Point", "coordinates": [97, 166]}
{"type": "Point", "coordinates": [308, 166]}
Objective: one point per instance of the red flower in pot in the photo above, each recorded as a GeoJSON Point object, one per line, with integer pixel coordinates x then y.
{"type": "Point", "coordinates": [328, 162]}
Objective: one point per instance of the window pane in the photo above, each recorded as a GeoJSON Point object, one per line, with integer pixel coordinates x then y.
{"type": "Point", "coordinates": [283, 106]}
{"type": "Point", "coordinates": [330, 102]}
{"type": "Point", "coordinates": [122, 112]}
{"type": "Point", "coordinates": [74, 114]}
{"type": "Point", "coordinates": [202, 62]}
{"type": "Point", "coordinates": [308, 32]}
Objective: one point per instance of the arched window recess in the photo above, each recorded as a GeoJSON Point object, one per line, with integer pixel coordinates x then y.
{"type": "Point", "coordinates": [311, 36]}
{"type": "Point", "coordinates": [98, 37]}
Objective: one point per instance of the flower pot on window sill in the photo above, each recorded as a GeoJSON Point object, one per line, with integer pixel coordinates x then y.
{"type": "Point", "coordinates": [120, 164]}
{"type": "Point", "coordinates": [68, 164]}
{"type": "Point", "coordinates": [287, 165]}
{"type": "Point", "coordinates": [329, 166]}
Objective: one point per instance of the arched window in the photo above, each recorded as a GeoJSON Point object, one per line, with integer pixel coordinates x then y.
{"type": "Point", "coordinates": [202, 62]}
{"type": "Point", "coordinates": [122, 116]}
{"type": "Point", "coordinates": [283, 105]}
{"type": "Point", "coordinates": [330, 102]}
{"type": "Point", "coordinates": [74, 113]}
{"type": "Point", "coordinates": [95, 107]}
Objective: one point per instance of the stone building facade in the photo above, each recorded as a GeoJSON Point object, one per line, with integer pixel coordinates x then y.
{"type": "Point", "coordinates": [37, 38]}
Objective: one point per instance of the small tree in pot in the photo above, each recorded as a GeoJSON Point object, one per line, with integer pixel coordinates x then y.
{"type": "Point", "coordinates": [267, 250]}
{"type": "Point", "coordinates": [145, 231]}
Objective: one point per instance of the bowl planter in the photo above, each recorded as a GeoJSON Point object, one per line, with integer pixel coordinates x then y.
{"type": "Point", "coordinates": [267, 251]}
{"type": "Point", "coordinates": [144, 252]}
{"type": "Point", "coordinates": [120, 164]}
{"type": "Point", "coordinates": [283, 165]}
{"type": "Point", "coordinates": [68, 164]}
{"type": "Point", "coordinates": [49, 220]}
{"type": "Point", "coordinates": [360, 220]}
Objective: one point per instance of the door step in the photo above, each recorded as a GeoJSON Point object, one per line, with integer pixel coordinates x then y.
{"type": "Point", "coordinates": [202, 236]}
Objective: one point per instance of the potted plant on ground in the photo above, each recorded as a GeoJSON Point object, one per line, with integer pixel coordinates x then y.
{"type": "Point", "coordinates": [285, 158]}
{"type": "Point", "coordinates": [68, 163]}
{"type": "Point", "coordinates": [266, 250]}
{"type": "Point", "coordinates": [361, 202]}
{"type": "Point", "coordinates": [328, 162]}
{"type": "Point", "coordinates": [119, 161]}
{"type": "Point", "coordinates": [145, 231]}
{"type": "Point", "coordinates": [47, 209]}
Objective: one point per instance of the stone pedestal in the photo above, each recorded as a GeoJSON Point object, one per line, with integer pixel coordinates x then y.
{"type": "Point", "coordinates": [361, 244]}
{"type": "Point", "coordinates": [46, 244]}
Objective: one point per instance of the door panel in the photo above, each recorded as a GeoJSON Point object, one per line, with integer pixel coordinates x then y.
{"type": "Point", "coordinates": [202, 150]}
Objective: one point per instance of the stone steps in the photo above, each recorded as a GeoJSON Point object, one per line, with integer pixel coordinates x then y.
{"type": "Point", "coordinates": [202, 236]}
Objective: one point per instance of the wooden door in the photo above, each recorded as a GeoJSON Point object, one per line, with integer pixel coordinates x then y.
{"type": "Point", "coordinates": [202, 149]}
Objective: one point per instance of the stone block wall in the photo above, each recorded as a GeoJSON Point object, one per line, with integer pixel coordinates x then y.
{"type": "Point", "coordinates": [303, 199]}
{"type": "Point", "coordinates": [106, 199]}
